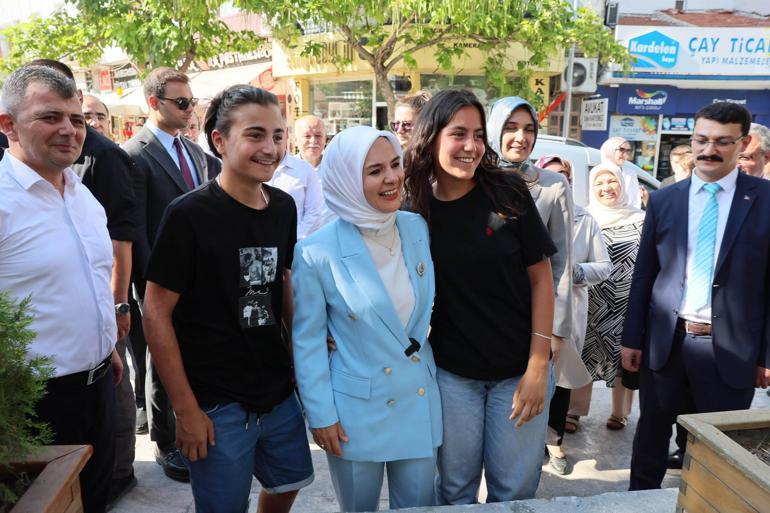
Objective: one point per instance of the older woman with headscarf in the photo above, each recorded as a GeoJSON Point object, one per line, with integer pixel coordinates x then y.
{"type": "Point", "coordinates": [367, 280]}
{"type": "Point", "coordinates": [618, 151]}
{"type": "Point", "coordinates": [512, 131]}
{"type": "Point", "coordinates": [621, 225]}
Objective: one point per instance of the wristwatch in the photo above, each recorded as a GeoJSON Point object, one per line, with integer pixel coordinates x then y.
{"type": "Point", "coordinates": [122, 309]}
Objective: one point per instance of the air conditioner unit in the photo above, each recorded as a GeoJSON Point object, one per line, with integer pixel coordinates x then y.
{"type": "Point", "coordinates": [584, 73]}
{"type": "Point", "coordinates": [611, 13]}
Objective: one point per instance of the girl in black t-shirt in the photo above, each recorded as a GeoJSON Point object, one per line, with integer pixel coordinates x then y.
{"type": "Point", "coordinates": [492, 318]}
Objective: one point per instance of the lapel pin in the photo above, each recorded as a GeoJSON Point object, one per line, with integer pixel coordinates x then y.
{"type": "Point", "coordinates": [420, 269]}
{"type": "Point", "coordinates": [746, 198]}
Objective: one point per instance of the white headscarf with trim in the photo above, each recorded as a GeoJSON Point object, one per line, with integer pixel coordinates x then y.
{"type": "Point", "coordinates": [622, 213]}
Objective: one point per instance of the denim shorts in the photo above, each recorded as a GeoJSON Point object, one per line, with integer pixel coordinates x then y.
{"type": "Point", "coordinates": [272, 447]}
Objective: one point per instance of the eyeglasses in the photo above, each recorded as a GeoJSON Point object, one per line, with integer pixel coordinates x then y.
{"type": "Point", "coordinates": [181, 102]}
{"type": "Point", "coordinates": [625, 151]}
{"type": "Point", "coordinates": [719, 143]}
{"type": "Point", "coordinates": [406, 125]}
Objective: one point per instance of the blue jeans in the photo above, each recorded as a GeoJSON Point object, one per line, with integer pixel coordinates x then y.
{"type": "Point", "coordinates": [272, 447]}
{"type": "Point", "coordinates": [478, 434]}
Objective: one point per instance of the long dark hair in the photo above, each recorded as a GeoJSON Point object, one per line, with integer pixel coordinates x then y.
{"type": "Point", "coordinates": [219, 112]}
{"type": "Point", "coordinates": [505, 190]}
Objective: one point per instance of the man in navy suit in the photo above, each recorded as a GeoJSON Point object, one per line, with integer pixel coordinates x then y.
{"type": "Point", "coordinates": [698, 319]}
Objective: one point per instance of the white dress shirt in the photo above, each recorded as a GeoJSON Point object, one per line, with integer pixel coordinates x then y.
{"type": "Point", "coordinates": [297, 178]}
{"type": "Point", "coordinates": [697, 203]}
{"type": "Point", "coordinates": [167, 141]}
{"type": "Point", "coordinates": [57, 250]}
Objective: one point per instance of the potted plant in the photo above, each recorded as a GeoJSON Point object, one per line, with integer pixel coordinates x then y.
{"type": "Point", "coordinates": [22, 455]}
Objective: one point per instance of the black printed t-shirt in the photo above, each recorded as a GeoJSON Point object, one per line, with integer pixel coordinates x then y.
{"type": "Point", "coordinates": [226, 261]}
{"type": "Point", "coordinates": [482, 320]}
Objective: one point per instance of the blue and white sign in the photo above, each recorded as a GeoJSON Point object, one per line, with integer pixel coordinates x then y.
{"type": "Point", "coordinates": [654, 50]}
{"type": "Point", "coordinates": [731, 51]}
{"type": "Point", "coordinates": [644, 99]}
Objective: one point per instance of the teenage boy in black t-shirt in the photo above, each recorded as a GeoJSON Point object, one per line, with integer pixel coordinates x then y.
{"type": "Point", "coordinates": [218, 293]}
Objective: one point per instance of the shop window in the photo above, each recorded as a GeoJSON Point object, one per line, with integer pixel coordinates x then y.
{"type": "Point", "coordinates": [342, 104]}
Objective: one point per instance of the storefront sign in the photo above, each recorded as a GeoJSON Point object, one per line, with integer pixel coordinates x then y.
{"type": "Point", "coordinates": [634, 128]}
{"type": "Point", "coordinates": [593, 114]}
{"type": "Point", "coordinates": [646, 99]}
{"type": "Point", "coordinates": [678, 124]}
{"type": "Point", "coordinates": [698, 50]}
{"type": "Point", "coordinates": [105, 80]}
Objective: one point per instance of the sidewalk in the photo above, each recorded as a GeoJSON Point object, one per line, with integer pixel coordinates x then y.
{"type": "Point", "coordinates": [599, 462]}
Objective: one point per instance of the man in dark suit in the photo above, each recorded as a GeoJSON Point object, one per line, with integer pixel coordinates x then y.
{"type": "Point", "coordinates": [167, 165]}
{"type": "Point", "coordinates": [698, 319]}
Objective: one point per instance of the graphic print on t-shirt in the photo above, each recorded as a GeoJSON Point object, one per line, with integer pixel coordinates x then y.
{"type": "Point", "coordinates": [258, 269]}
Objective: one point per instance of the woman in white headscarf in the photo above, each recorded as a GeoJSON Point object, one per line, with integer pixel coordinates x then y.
{"type": "Point", "coordinates": [621, 225]}
{"type": "Point", "coordinates": [618, 151]}
{"type": "Point", "coordinates": [367, 280]}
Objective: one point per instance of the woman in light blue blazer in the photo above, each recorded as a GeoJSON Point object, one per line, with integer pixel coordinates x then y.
{"type": "Point", "coordinates": [367, 280]}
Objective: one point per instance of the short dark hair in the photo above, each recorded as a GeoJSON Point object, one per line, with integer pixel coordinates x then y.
{"type": "Point", "coordinates": [727, 112]}
{"type": "Point", "coordinates": [57, 65]}
{"type": "Point", "coordinates": [219, 112]}
{"type": "Point", "coordinates": [416, 102]}
{"type": "Point", "coordinates": [15, 87]}
{"type": "Point", "coordinates": [155, 83]}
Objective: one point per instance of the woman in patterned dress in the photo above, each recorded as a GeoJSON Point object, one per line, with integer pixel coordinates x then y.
{"type": "Point", "coordinates": [621, 225]}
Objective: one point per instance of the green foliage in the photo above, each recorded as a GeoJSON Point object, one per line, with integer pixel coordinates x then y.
{"type": "Point", "coordinates": [22, 385]}
{"type": "Point", "coordinates": [386, 32]}
{"type": "Point", "coordinates": [152, 33]}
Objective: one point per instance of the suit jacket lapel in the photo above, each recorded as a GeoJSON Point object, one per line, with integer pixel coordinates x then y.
{"type": "Point", "coordinates": [681, 218]}
{"type": "Point", "coordinates": [356, 258]}
{"type": "Point", "coordinates": [199, 160]}
{"type": "Point", "coordinates": [412, 260]}
{"type": "Point", "coordinates": [742, 201]}
{"type": "Point", "coordinates": [159, 153]}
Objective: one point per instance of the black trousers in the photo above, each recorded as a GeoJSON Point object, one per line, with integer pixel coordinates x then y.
{"type": "Point", "coordinates": [557, 411]}
{"type": "Point", "coordinates": [160, 415]}
{"type": "Point", "coordinates": [80, 414]}
{"type": "Point", "coordinates": [138, 349]}
{"type": "Point", "coordinates": [689, 383]}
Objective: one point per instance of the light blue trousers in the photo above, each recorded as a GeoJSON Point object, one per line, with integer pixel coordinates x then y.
{"type": "Point", "coordinates": [357, 484]}
{"type": "Point", "coordinates": [478, 434]}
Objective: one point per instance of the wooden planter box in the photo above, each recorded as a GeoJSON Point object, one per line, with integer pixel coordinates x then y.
{"type": "Point", "coordinates": [719, 475]}
{"type": "Point", "coordinates": [56, 488]}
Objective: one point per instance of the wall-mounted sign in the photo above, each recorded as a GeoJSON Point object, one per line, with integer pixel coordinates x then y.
{"type": "Point", "coordinates": [698, 50]}
{"type": "Point", "coordinates": [634, 128]}
{"type": "Point", "coordinates": [646, 99]}
{"type": "Point", "coordinates": [677, 124]}
{"type": "Point", "coordinates": [105, 80]}
{"type": "Point", "coordinates": [593, 114]}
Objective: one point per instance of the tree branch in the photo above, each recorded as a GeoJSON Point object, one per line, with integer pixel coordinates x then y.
{"type": "Point", "coordinates": [425, 44]}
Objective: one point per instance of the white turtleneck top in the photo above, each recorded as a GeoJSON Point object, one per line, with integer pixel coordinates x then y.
{"type": "Point", "coordinates": [384, 247]}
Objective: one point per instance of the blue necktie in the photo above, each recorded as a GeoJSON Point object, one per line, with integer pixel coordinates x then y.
{"type": "Point", "coordinates": [699, 286]}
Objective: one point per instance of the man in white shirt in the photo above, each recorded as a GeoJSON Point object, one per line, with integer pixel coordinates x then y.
{"type": "Point", "coordinates": [298, 178]}
{"type": "Point", "coordinates": [698, 320]}
{"type": "Point", "coordinates": [55, 247]}
{"type": "Point", "coordinates": [753, 159]}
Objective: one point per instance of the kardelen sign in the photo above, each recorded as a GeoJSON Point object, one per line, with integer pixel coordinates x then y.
{"type": "Point", "coordinates": [726, 51]}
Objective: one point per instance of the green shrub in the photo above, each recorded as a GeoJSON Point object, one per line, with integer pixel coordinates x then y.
{"type": "Point", "coordinates": [22, 385]}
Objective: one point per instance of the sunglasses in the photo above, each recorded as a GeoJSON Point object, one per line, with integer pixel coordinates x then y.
{"type": "Point", "coordinates": [406, 125]}
{"type": "Point", "coordinates": [625, 151]}
{"type": "Point", "coordinates": [181, 102]}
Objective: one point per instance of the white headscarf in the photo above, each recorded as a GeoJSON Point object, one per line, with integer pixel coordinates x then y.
{"type": "Point", "coordinates": [622, 212]}
{"type": "Point", "coordinates": [342, 170]}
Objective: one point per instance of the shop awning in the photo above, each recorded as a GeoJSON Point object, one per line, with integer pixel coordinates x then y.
{"type": "Point", "coordinates": [206, 84]}
{"type": "Point", "coordinates": [130, 103]}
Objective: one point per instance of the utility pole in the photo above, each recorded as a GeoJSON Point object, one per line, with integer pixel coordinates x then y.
{"type": "Point", "coordinates": [570, 65]}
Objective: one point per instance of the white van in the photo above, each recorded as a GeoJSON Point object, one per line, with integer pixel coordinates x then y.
{"type": "Point", "coordinates": [582, 158]}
